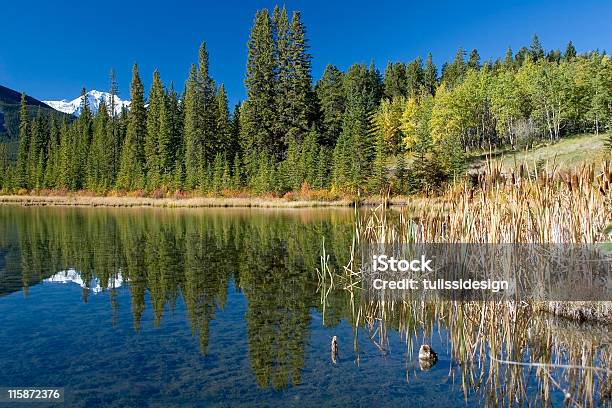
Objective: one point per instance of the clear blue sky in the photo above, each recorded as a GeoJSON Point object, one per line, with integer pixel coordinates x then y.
{"type": "Point", "coordinates": [50, 49]}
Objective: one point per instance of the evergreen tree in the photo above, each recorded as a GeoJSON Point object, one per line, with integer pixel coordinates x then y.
{"type": "Point", "coordinates": [157, 101]}
{"type": "Point", "coordinates": [193, 154]}
{"type": "Point", "coordinates": [52, 165]}
{"type": "Point", "coordinates": [84, 132]}
{"type": "Point", "coordinates": [400, 174]}
{"type": "Point", "coordinates": [237, 179]}
{"type": "Point", "coordinates": [35, 152]}
{"type": "Point", "coordinates": [535, 50]}
{"type": "Point", "coordinates": [258, 114]}
{"type": "Point", "coordinates": [452, 74]}
{"type": "Point", "coordinates": [474, 60]}
{"type": "Point", "coordinates": [310, 152]}
{"type": "Point", "coordinates": [99, 166]}
{"type": "Point", "coordinates": [208, 116]}
{"type": "Point", "coordinates": [283, 74]}
{"type": "Point", "coordinates": [24, 145]}
{"type": "Point", "coordinates": [509, 60]}
{"type": "Point", "coordinates": [301, 80]}
{"type": "Point", "coordinates": [378, 182]}
{"type": "Point", "coordinates": [355, 148]}
{"type": "Point", "coordinates": [131, 170]}
{"type": "Point", "coordinates": [323, 168]}
{"type": "Point", "coordinates": [225, 143]}
{"type": "Point", "coordinates": [332, 101]}
{"type": "Point", "coordinates": [395, 81]}
{"type": "Point", "coordinates": [115, 136]}
{"type": "Point", "coordinates": [570, 52]}
{"type": "Point", "coordinates": [430, 76]}
{"type": "Point", "coordinates": [414, 77]}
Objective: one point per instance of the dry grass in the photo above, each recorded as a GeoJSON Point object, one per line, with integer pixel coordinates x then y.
{"type": "Point", "coordinates": [498, 346]}
{"type": "Point", "coordinates": [187, 202]}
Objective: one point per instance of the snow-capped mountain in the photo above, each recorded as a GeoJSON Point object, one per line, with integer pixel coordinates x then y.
{"type": "Point", "coordinates": [72, 276]}
{"type": "Point", "coordinates": [94, 98]}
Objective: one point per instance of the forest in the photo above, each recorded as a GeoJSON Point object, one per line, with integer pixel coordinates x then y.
{"type": "Point", "coordinates": [410, 129]}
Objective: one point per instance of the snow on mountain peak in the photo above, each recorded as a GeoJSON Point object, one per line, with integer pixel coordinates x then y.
{"type": "Point", "coordinates": [94, 98]}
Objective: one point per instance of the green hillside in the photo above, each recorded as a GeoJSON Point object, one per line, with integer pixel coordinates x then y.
{"type": "Point", "coordinates": [9, 114]}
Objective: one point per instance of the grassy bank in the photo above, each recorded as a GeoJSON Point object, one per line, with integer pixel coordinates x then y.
{"type": "Point", "coordinates": [565, 154]}
{"type": "Point", "coordinates": [194, 202]}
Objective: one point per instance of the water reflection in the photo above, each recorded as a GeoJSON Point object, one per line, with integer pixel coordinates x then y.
{"type": "Point", "coordinates": [195, 261]}
{"type": "Point", "coordinates": [271, 256]}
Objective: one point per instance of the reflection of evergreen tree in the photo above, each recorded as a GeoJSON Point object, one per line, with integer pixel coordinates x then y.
{"type": "Point", "coordinates": [271, 257]}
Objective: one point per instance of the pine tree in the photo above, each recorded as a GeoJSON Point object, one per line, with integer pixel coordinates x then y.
{"type": "Point", "coordinates": [34, 174]}
{"type": "Point", "coordinates": [52, 165]}
{"type": "Point", "coordinates": [115, 136]}
{"type": "Point", "coordinates": [170, 146]}
{"type": "Point", "coordinates": [378, 182]}
{"type": "Point", "coordinates": [395, 82]}
{"type": "Point", "coordinates": [414, 77]}
{"type": "Point", "coordinates": [237, 180]}
{"type": "Point", "coordinates": [310, 152]}
{"type": "Point", "coordinates": [131, 170]}
{"type": "Point", "coordinates": [258, 114]}
{"type": "Point", "coordinates": [99, 166]}
{"type": "Point", "coordinates": [24, 145]}
{"type": "Point", "coordinates": [208, 116]}
{"type": "Point", "coordinates": [5, 168]}
{"type": "Point", "coordinates": [430, 76]}
{"type": "Point", "coordinates": [301, 84]}
{"type": "Point", "coordinates": [224, 136]}
{"type": "Point", "coordinates": [84, 131]}
{"type": "Point", "coordinates": [332, 101]}
{"type": "Point", "coordinates": [570, 52]}
{"type": "Point", "coordinates": [200, 134]}
{"type": "Point", "coordinates": [400, 174]}
{"type": "Point", "coordinates": [474, 60]}
{"type": "Point", "coordinates": [283, 76]}
{"type": "Point", "coordinates": [193, 155]}
{"type": "Point", "coordinates": [509, 60]}
{"type": "Point", "coordinates": [323, 168]}
{"type": "Point", "coordinates": [157, 101]}
{"type": "Point", "coordinates": [355, 148]}
{"type": "Point", "coordinates": [535, 50]}
{"type": "Point", "coordinates": [452, 74]}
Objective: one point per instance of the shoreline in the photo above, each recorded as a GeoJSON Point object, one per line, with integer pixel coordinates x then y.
{"type": "Point", "coordinates": [203, 202]}
{"type": "Point", "coordinates": [192, 202]}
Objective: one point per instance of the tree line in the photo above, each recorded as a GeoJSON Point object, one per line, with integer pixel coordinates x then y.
{"type": "Point", "coordinates": [350, 132]}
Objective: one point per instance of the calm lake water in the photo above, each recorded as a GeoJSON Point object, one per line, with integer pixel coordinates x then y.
{"type": "Point", "coordinates": [207, 307]}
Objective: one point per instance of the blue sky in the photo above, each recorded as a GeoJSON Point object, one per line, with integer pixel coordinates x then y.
{"type": "Point", "coordinates": [51, 49]}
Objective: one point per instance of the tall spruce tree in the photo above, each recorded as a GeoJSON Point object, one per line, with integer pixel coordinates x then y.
{"type": "Point", "coordinates": [283, 74]}
{"type": "Point", "coordinates": [131, 169]}
{"type": "Point", "coordinates": [157, 101]}
{"type": "Point", "coordinates": [430, 76]}
{"type": "Point", "coordinates": [474, 60]}
{"type": "Point", "coordinates": [535, 49]}
{"type": "Point", "coordinates": [191, 133]}
{"type": "Point", "coordinates": [570, 52]}
{"type": "Point", "coordinates": [225, 143]}
{"type": "Point", "coordinates": [332, 100]}
{"type": "Point", "coordinates": [395, 82]}
{"type": "Point", "coordinates": [208, 117]}
{"type": "Point", "coordinates": [301, 80]}
{"type": "Point", "coordinates": [414, 77]}
{"type": "Point", "coordinates": [258, 116]}
{"type": "Point", "coordinates": [24, 145]}
{"type": "Point", "coordinates": [99, 166]}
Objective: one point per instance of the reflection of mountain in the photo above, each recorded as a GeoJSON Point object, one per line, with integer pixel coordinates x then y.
{"type": "Point", "coordinates": [72, 276]}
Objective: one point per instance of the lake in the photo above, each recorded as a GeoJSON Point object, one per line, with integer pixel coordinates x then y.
{"type": "Point", "coordinates": [211, 307]}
